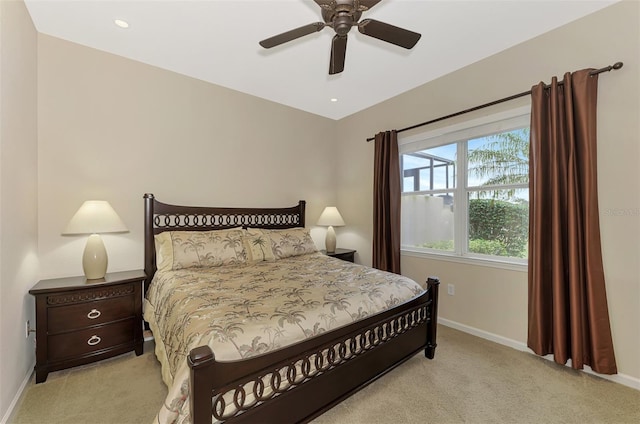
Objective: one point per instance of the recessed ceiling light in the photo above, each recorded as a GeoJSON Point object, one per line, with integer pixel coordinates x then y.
{"type": "Point", "coordinates": [121, 23]}
{"type": "Point", "coordinates": [334, 100]}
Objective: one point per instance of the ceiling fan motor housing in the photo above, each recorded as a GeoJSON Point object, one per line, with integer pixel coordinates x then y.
{"type": "Point", "coordinates": [343, 22]}
{"type": "Point", "coordinates": [342, 17]}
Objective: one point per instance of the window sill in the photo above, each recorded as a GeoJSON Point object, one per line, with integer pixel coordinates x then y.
{"type": "Point", "coordinates": [491, 263]}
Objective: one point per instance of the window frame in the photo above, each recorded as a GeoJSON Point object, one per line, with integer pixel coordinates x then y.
{"type": "Point", "coordinates": [505, 121]}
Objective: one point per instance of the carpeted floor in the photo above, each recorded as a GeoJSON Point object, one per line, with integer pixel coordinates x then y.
{"type": "Point", "coordinates": [121, 390]}
{"type": "Point", "coordinates": [470, 381]}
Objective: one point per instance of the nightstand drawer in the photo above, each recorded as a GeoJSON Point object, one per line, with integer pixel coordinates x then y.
{"type": "Point", "coordinates": [82, 315]}
{"type": "Point", "coordinates": [80, 342]}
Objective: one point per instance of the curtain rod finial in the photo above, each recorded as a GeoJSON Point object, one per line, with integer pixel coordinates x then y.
{"type": "Point", "coordinates": [617, 65]}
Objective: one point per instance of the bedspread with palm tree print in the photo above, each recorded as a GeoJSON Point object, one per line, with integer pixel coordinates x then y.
{"type": "Point", "coordinates": [246, 310]}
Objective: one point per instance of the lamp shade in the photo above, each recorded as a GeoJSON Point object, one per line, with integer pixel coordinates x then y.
{"type": "Point", "coordinates": [94, 217]}
{"type": "Point", "coordinates": [331, 217]}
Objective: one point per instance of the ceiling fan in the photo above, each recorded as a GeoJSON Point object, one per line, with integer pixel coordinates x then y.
{"type": "Point", "coordinates": [342, 15]}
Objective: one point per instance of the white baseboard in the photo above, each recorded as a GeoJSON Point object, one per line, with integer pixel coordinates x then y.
{"type": "Point", "coordinates": [625, 380]}
{"type": "Point", "coordinates": [7, 416]}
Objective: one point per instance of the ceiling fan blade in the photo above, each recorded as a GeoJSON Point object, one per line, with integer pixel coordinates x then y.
{"type": "Point", "coordinates": [338, 53]}
{"type": "Point", "coordinates": [389, 33]}
{"type": "Point", "coordinates": [367, 4]}
{"type": "Point", "coordinates": [276, 40]}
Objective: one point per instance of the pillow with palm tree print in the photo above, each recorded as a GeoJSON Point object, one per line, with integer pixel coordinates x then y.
{"type": "Point", "coordinates": [288, 242]}
{"type": "Point", "coordinates": [258, 248]}
{"type": "Point", "coordinates": [199, 249]}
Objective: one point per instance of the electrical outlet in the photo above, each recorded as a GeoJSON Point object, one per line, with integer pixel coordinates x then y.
{"type": "Point", "coordinates": [28, 329]}
{"type": "Point", "coordinates": [451, 289]}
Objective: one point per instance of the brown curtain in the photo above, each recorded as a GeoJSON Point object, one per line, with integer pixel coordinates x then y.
{"type": "Point", "coordinates": [386, 203]}
{"type": "Point", "coordinates": [568, 315]}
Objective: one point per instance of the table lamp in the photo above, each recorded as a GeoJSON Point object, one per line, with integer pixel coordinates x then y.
{"type": "Point", "coordinates": [95, 217]}
{"type": "Point", "coordinates": [330, 217]}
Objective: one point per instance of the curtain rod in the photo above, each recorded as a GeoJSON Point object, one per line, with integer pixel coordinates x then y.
{"type": "Point", "coordinates": [615, 66]}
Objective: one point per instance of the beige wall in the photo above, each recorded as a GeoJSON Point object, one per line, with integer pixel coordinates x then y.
{"type": "Point", "coordinates": [18, 195]}
{"type": "Point", "coordinates": [493, 300]}
{"type": "Point", "coordinates": [111, 128]}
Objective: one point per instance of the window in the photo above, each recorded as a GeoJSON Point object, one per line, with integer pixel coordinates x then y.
{"type": "Point", "coordinates": [466, 189]}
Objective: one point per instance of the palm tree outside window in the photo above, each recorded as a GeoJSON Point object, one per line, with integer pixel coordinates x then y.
{"type": "Point", "coordinates": [470, 196]}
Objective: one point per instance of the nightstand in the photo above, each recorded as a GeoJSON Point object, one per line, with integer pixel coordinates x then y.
{"type": "Point", "coordinates": [344, 254]}
{"type": "Point", "coordinates": [79, 321]}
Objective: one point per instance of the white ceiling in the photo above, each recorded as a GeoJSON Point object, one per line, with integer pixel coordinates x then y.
{"type": "Point", "coordinates": [217, 41]}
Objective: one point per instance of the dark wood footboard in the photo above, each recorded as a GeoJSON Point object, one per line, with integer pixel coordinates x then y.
{"type": "Point", "coordinates": [300, 382]}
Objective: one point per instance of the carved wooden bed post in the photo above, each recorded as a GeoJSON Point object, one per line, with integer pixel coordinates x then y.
{"type": "Point", "coordinates": [199, 359]}
{"type": "Point", "coordinates": [433, 285]}
{"type": "Point", "coordinates": [149, 248]}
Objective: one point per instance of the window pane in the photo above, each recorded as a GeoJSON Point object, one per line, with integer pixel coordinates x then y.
{"type": "Point", "coordinates": [427, 221]}
{"type": "Point", "coordinates": [499, 227]}
{"type": "Point", "coordinates": [499, 159]}
{"type": "Point", "coordinates": [430, 169]}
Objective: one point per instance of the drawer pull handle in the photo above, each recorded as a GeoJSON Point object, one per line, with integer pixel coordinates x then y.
{"type": "Point", "coordinates": [94, 340]}
{"type": "Point", "coordinates": [93, 314]}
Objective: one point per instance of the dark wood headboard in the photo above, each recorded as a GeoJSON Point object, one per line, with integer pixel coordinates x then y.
{"type": "Point", "coordinates": [159, 217]}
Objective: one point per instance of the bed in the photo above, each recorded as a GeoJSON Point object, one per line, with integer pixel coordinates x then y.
{"type": "Point", "coordinates": [293, 331]}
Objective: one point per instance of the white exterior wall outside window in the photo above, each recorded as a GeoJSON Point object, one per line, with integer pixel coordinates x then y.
{"type": "Point", "coordinates": [459, 202]}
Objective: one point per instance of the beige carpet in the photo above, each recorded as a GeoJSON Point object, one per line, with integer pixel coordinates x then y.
{"type": "Point", "coordinates": [121, 390]}
{"type": "Point", "coordinates": [470, 381]}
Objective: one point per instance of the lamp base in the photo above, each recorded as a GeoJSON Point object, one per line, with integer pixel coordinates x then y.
{"type": "Point", "coordinates": [330, 240]}
{"type": "Point", "coordinates": [94, 258]}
